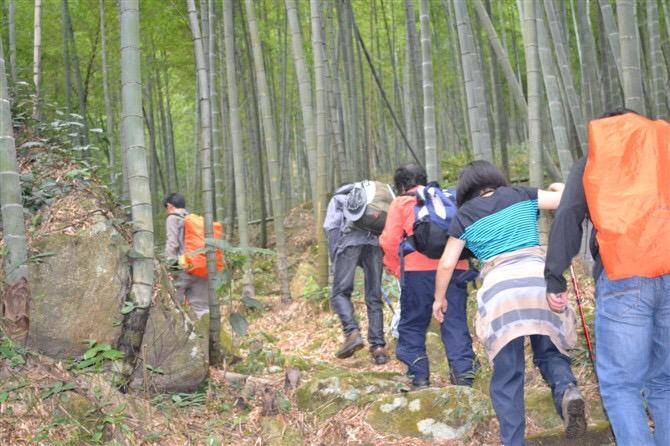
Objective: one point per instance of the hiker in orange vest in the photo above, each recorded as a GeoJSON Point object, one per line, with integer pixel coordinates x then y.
{"type": "Point", "coordinates": [622, 186]}
{"type": "Point", "coordinates": [190, 288]}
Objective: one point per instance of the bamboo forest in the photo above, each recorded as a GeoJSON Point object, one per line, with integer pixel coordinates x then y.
{"type": "Point", "coordinates": [188, 188]}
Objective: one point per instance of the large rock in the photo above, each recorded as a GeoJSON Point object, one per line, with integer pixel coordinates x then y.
{"type": "Point", "coordinates": [541, 413]}
{"type": "Point", "coordinates": [448, 413]}
{"type": "Point", "coordinates": [303, 281]}
{"type": "Point", "coordinates": [276, 431]}
{"type": "Point", "coordinates": [175, 347]}
{"type": "Point", "coordinates": [439, 366]}
{"type": "Point", "coordinates": [331, 390]}
{"type": "Point", "coordinates": [78, 292]}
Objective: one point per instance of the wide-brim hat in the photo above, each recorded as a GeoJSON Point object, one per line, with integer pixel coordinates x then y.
{"type": "Point", "coordinates": [358, 199]}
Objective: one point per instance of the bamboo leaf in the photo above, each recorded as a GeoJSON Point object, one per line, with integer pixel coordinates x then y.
{"type": "Point", "coordinates": [239, 324]}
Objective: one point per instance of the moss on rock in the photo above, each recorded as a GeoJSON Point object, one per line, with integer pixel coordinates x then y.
{"type": "Point", "coordinates": [333, 389]}
{"type": "Point", "coordinates": [276, 432]}
{"type": "Point", "coordinates": [448, 413]}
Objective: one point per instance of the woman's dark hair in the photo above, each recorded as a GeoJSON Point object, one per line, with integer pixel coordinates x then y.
{"type": "Point", "coordinates": [617, 112]}
{"type": "Point", "coordinates": [475, 177]}
{"type": "Point", "coordinates": [409, 175]}
{"type": "Point", "coordinates": [175, 199]}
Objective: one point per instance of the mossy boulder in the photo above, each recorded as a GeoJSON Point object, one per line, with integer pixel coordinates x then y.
{"type": "Point", "coordinates": [175, 344]}
{"type": "Point", "coordinates": [448, 413]}
{"type": "Point", "coordinates": [331, 390]}
{"type": "Point", "coordinates": [277, 432]}
{"type": "Point", "coordinates": [77, 291]}
{"type": "Point", "coordinates": [436, 355]}
{"type": "Point", "coordinates": [541, 412]}
{"type": "Point", "coordinates": [303, 280]}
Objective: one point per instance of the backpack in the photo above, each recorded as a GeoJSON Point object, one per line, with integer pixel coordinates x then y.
{"type": "Point", "coordinates": [194, 259]}
{"type": "Point", "coordinates": [626, 182]}
{"type": "Point", "coordinates": [367, 205]}
{"type": "Point", "coordinates": [434, 209]}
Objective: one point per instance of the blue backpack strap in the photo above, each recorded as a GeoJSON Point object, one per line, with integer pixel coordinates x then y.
{"type": "Point", "coordinates": [449, 206]}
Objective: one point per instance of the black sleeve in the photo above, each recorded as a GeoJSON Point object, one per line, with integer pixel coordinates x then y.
{"type": "Point", "coordinates": [566, 231]}
{"type": "Point", "coordinates": [456, 226]}
{"type": "Point", "coordinates": [527, 192]}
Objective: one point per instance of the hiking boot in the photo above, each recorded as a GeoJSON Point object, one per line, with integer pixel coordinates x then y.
{"type": "Point", "coordinates": [352, 343]}
{"type": "Point", "coordinates": [379, 355]}
{"type": "Point", "coordinates": [573, 411]}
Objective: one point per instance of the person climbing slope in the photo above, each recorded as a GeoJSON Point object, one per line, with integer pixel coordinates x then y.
{"type": "Point", "coordinates": [499, 225]}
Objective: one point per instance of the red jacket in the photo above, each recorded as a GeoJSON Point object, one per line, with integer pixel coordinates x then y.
{"type": "Point", "coordinates": [400, 221]}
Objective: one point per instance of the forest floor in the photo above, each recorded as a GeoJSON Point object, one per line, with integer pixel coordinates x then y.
{"type": "Point", "coordinates": [43, 402]}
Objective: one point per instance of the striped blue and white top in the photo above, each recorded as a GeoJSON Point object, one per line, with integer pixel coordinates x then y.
{"type": "Point", "coordinates": [502, 222]}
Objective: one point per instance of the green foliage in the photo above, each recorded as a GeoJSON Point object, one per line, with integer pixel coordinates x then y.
{"type": "Point", "coordinates": [56, 388]}
{"type": "Point", "coordinates": [6, 391]}
{"type": "Point", "coordinates": [260, 358]}
{"type": "Point", "coordinates": [316, 294]}
{"type": "Point", "coordinates": [12, 352]}
{"type": "Point", "coordinates": [239, 324]}
{"type": "Point", "coordinates": [180, 400]}
{"type": "Point", "coordinates": [128, 307]}
{"type": "Point", "coordinates": [97, 355]}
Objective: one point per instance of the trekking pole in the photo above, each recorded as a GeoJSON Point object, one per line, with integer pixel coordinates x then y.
{"type": "Point", "coordinates": [385, 295]}
{"type": "Point", "coordinates": [578, 297]}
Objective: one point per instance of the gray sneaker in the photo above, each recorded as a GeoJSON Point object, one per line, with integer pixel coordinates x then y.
{"type": "Point", "coordinates": [573, 411]}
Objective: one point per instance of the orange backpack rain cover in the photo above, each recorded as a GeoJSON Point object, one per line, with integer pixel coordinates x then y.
{"type": "Point", "coordinates": [194, 239]}
{"type": "Point", "coordinates": [627, 187]}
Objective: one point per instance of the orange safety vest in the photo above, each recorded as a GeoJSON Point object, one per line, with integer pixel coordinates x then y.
{"type": "Point", "coordinates": [194, 262]}
{"type": "Point", "coordinates": [627, 187]}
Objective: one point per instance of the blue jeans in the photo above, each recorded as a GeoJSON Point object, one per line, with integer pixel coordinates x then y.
{"type": "Point", "coordinates": [416, 309]}
{"type": "Point", "coordinates": [508, 379]}
{"type": "Point", "coordinates": [368, 257]}
{"type": "Point", "coordinates": [633, 356]}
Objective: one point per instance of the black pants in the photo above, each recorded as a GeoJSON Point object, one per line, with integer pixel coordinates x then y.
{"type": "Point", "coordinates": [369, 258]}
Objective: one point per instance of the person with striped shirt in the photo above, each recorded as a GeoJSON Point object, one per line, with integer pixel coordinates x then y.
{"type": "Point", "coordinates": [498, 224]}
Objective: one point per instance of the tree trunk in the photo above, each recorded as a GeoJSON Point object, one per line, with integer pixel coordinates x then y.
{"type": "Point", "coordinates": [534, 99]}
{"type": "Point", "coordinates": [215, 357]}
{"type": "Point", "coordinates": [432, 162]}
{"type": "Point", "coordinates": [67, 68]}
{"type": "Point", "coordinates": [658, 91]}
{"type": "Point", "coordinates": [566, 74]}
{"type": "Point", "coordinates": [109, 110]}
{"type": "Point", "coordinates": [305, 93]}
{"type": "Point", "coordinates": [83, 134]}
{"type": "Point", "coordinates": [166, 126]}
{"type": "Point", "coordinates": [321, 139]}
{"type": "Point", "coordinates": [15, 293]}
{"type": "Point", "coordinates": [414, 79]}
{"type": "Point", "coordinates": [474, 85]}
{"type": "Point", "coordinates": [610, 28]}
{"type": "Point", "coordinates": [12, 40]}
{"type": "Point", "coordinates": [225, 197]}
{"type": "Point", "coordinates": [37, 59]}
{"type": "Point", "coordinates": [553, 90]}
{"type": "Point", "coordinates": [272, 155]}
{"type": "Point", "coordinates": [139, 189]}
{"type": "Point", "coordinates": [214, 105]}
{"type": "Point", "coordinates": [501, 56]}
{"type": "Point", "coordinates": [236, 135]}
{"type": "Point", "coordinates": [589, 61]}
{"type": "Point", "coordinates": [630, 55]}
{"type": "Point", "coordinates": [351, 99]}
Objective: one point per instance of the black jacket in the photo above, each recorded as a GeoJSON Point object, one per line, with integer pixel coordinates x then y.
{"type": "Point", "coordinates": [566, 232]}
